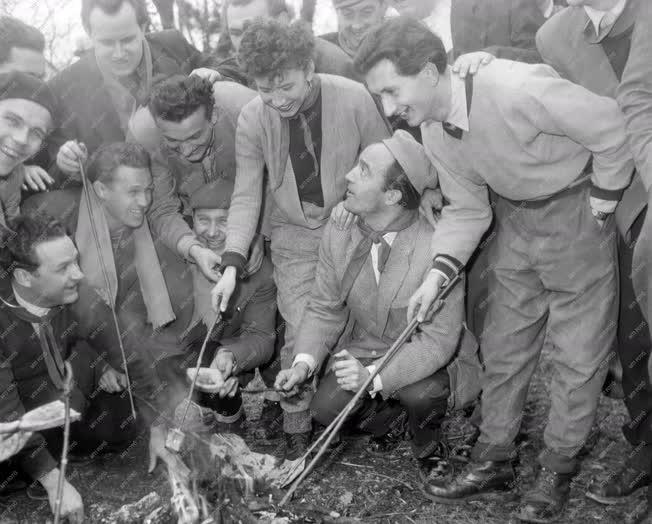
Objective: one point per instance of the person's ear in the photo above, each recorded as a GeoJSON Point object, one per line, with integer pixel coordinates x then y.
{"type": "Point", "coordinates": [23, 277]}
{"type": "Point", "coordinates": [310, 70]}
{"type": "Point", "coordinates": [430, 73]}
{"type": "Point", "coordinates": [100, 189]}
{"type": "Point", "coordinates": [392, 197]}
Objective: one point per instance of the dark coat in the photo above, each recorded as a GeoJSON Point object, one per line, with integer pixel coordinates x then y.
{"type": "Point", "coordinates": [24, 379]}
{"type": "Point", "coordinates": [86, 108]}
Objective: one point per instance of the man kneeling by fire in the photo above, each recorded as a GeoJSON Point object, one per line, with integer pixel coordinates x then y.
{"type": "Point", "coordinates": [358, 307]}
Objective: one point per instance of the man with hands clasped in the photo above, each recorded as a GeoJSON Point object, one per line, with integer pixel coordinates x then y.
{"type": "Point", "coordinates": [357, 309]}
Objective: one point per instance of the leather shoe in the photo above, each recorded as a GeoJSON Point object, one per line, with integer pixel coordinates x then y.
{"type": "Point", "coordinates": [478, 481]}
{"type": "Point", "coordinates": [621, 484]}
{"type": "Point", "coordinates": [435, 466]}
{"type": "Point", "coordinates": [546, 500]}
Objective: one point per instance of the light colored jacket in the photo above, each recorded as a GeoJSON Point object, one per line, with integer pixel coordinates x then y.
{"type": "Point", "coordinates": [378, 314]}
{"type": "Point", "coordinates": [350, 122]}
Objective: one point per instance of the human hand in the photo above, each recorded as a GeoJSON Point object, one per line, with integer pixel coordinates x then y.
{"type": "Point", "coordinates": [288, 380]}
{"type": "Point", "coordinates": [470, 63]}
{"type": "Point", "coordinates": [112, 381]}
{"type": "Point", "coordinates": [69, 156]}
{"type": "Point", "coordinates": [207, 261]}
{"type": "Point", "coordinates": [432, 202]}
{"type": "Point", "coordinates": [351, 374]}
{"type": "Point", "coordinates": [424, 297]}
{"type": "Point", "coordinates": [221, 293]}
{"type": "Point", "coordinates": [36, 178]}
{"type": "Point", "coordinates": [343, 218]}
{"type": "Point", "coordinates": [208, 74]}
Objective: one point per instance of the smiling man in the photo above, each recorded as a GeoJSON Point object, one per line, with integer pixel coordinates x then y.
{"type": "Point", "coordinates": [364, 277]}
{"type": "Point", "coordinates": [21, 47]}
{"type": "Point", "coordinates": [556, 156]}
{"type": "Point", "coordinates": [27, 108]}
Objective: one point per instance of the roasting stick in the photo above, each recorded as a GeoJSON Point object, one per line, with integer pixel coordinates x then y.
{"type": "Point", "coordinates": [67, 391]}
{"type": "Point", "coordinates": [175, 437]}
{"type": "Point", "coordinates": [332, 429]}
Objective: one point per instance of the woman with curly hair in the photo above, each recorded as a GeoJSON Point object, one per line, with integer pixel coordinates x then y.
{"type": "Point", "coordinates": [305, 130]}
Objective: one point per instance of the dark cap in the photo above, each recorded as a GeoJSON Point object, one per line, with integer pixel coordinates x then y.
{"type": "Point", "coordinates": [27, 87]}
{"type": "Point", "coordinates": [215, 195]}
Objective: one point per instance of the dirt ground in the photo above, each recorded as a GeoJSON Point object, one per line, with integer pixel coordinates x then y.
{"type": "Point", "coordinates": [361, 488]}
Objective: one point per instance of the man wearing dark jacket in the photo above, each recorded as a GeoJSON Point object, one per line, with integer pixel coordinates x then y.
{"type": "Point", "coordinates": [40, 331]}
{"type": "Point", "coordinates": [100, 92]}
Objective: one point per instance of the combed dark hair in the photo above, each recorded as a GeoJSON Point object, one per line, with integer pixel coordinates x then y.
{"type": "Point", "coordinates": [395, 178]}
{"type": "Point", "coordinates": [180, 96]}
{"type": "Point", "coordinates": [21, 236]}
{"type": "Point", "coordinates": [404, 41]}
{"type": "Point", "coordinates": [108, 158]}
{"type": "Point", "coordinates": [14, 33]}
{"type": "Point", "coordinates": [111, 7]}
{"type": "Point", "coordinates": [268, 47]}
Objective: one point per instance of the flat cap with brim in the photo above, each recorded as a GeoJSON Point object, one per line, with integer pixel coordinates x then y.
{"type": "Point", "coordinates": [411, 156]}
{"type": "Point", "coordinates": [214, 195]}
{"type": "Point", "coordinates": [27, 87]}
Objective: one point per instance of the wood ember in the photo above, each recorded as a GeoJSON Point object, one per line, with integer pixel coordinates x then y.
{"type": "Point", "coordinates": [136, 511]}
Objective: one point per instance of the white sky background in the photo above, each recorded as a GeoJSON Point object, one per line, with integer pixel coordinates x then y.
{"type": "Point", "coordinates": [59, 21]}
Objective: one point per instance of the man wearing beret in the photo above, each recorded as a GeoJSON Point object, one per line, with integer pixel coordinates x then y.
{"type": "Point", "coordinates": [27, 109]}
{"type": "Point", "coordinates": [556, 156]}
{"type": "Point", "coordinates": [245, 339]}
{"type": "Point", "coordinates": [365, 277]}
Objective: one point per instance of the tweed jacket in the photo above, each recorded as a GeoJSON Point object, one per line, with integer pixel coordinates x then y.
{"type": "Point", "coordinates": [87, 112]}
{"type": "Point", "coordinates": [568, 43]}
{"type": "Point", "coordinates": [175, 179]}
{"type": "Point", "coordinates": [531, 134]}
{"type": "Point", "coordinates": [350, 122]}
{"type": "Point", "coordinates": [377, 313]}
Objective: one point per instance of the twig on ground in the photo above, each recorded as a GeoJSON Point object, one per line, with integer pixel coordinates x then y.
{"type": "Point", "coordinates": [355, 465]}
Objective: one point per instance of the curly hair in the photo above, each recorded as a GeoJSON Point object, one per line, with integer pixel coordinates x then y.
{"type": "Point", "coordinates": [19, 239]}
{"type": "Point", "coordinates": [404, 41]}
{"type": "Point", "coordinates": [110, 7]}
{"type": "Point", "coordinates": [14, 33]}
{"type": "Point", "coordinates": [107, 159]}
{"type": "Point", "coordinates": [179, 96]}
{"type": "Point", "coordinates": [269, 47]}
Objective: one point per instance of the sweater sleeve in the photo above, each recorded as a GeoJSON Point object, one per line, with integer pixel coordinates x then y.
{"type": "Point", "coordinates": [560, 107]}
{"type": "Point", "coordinates": [635, 93]}
{"type": "Point", "coordinates": [246, 202]}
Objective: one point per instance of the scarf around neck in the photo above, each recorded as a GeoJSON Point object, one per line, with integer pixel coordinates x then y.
{"type": "Point", "coordinates": [150, 276]}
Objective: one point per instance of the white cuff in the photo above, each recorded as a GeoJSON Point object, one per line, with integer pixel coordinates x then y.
{"type": "Point", "coordinates": [605, 206]}
{"type": "Point", "coordinates": [444, 276]}
{"type": "Point", "coordinates": [307, 359]}
{"type": "Point", "coordinates": [377, 384]}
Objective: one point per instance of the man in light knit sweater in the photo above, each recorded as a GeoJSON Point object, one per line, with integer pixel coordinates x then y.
{"type": "Point", "coordinates": [364, 277]}
{"type": "Point", "coordinates": [557, 157]}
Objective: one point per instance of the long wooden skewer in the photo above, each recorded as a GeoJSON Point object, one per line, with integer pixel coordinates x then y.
{"type": "Point", "coordinates": [67, 390]}
{"type": "Point", "coordinates": [332, 429]}
{"type": "Point", "coordinates": [107, 282]}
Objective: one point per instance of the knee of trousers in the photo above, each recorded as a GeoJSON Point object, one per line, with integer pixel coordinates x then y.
{"type": "Point", "coordinates": [428, 394]}
{"type": "Point", "coordinates": [329, 400]}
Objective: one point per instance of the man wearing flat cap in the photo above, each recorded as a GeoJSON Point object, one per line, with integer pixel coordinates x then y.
{"type": "Point", "coordinates": [27, 108]}
{"type": "Point", "coordinates": [245, 339]}
{"type": "Point", "coordinates": [357, 309]}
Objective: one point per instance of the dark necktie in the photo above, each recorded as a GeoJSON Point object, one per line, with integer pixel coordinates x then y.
{"type": "Point", "coordinates": [452, 130]}
{"type": "Point", "coordinates": [363, 249]}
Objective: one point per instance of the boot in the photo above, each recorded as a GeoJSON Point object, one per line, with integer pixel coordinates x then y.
{"type": "Point", "coordinates": [478, 481]}
{"type": "Point", "coordinates": [546, 500]}
{"type": "Point", "coordinates": [296, 444]}
{"type": "Point", "coordinates": [621, 484]}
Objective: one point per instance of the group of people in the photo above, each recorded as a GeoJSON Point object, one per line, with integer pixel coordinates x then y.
{"type": "Point", "coordinates": [298, 200]}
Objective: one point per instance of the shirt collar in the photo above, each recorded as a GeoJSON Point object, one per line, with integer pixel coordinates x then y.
{"type": "Point", "coordinates": [609, 17]}
{"type": "Point", "coordinates": [458, 115]}
{"type": "Point", "coordinates": [35, 310]}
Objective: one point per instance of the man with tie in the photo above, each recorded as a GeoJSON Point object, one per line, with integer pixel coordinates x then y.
{"type": "Point", "coordinates": [556, 156]}
{"type": "Point", "coordinates": [365, 276]}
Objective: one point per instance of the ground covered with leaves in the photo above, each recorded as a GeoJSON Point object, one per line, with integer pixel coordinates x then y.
{"type": "Point", "coordinates": [352, 486]}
